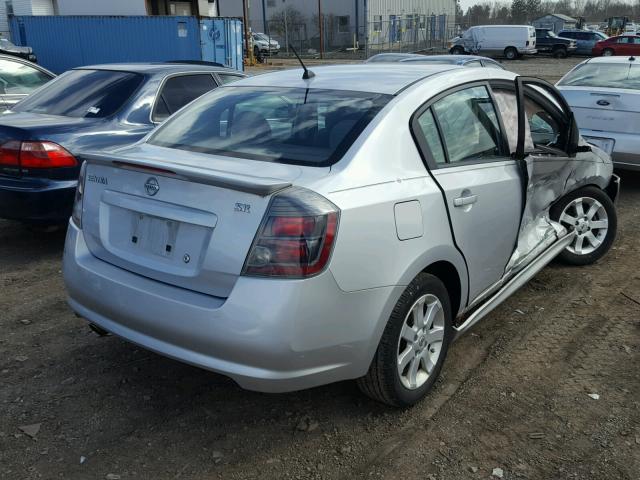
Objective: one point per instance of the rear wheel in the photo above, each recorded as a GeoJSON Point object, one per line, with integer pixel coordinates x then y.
{"type": "Point", "coordinates": [413, 346]}
{"type": "Point", "coordinates": [510, 53]}
{"type": "Point", "coordinates": [591, 213]}
{"type": "Point", "coordinates": [607, 52]}
{"type": "Point", "coordinates": [560, 52]}
{"type": "Point", "coordinates": [457, 51]}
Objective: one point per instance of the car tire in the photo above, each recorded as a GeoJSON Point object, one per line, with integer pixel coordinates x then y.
{"type": "Point", "coordinates": [560, 52]}
{"type": "Point", "coordinates": [457, 51]}
{"type": "Point", "coordinates": [591, 212]}
{"type": "Point", "coordinates": [608, 52]}
{"type": "Point", "coordinates": [388, 382]}
{"type": "Point", "coordinates": [510, 53]}
{"type": "Point", "coordinates": [256, 52]}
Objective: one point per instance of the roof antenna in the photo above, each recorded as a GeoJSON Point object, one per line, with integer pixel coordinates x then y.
{"type": "Point", "coordinates": [307, 73]}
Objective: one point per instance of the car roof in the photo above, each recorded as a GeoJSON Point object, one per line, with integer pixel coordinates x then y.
{"type": "Point", "coordinates": [614, 59]}
{"type": "Point", "coordinates": [376, 77]}
{"type": "Point", "coordinates": [157, 68]}
{"type": "Point", "coordinates": [13, 58]}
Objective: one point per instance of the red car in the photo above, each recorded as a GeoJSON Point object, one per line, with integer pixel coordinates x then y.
{"type": "Point", "coordinates": [620, 45]}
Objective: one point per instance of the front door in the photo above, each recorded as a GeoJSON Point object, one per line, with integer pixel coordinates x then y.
{"type": "Point", "coordinates": [464, 141]}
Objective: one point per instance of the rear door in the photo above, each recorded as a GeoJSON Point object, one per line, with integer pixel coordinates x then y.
{"type": "Point", "coordinates": [463, 140]}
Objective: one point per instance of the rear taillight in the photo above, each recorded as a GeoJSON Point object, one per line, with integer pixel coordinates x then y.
{"type": "Point", "coordinates": [76, 213]}
{"type": "Point", "coordinates": [296, 236]}
{"type": "Point", "coordinates": [10, 153]}
{"type": "Point", "coordinates": [35, 155]}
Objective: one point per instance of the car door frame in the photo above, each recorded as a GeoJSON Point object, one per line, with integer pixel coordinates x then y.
{"type": "Point", "coordinates": [431, 165]}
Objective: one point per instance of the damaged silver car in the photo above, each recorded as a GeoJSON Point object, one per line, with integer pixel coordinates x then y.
{"type": "Point", "coordinates": [291, 230]}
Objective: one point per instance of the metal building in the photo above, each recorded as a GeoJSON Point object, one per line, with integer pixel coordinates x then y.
{"type": "Point", "coordinates": [555, 22]}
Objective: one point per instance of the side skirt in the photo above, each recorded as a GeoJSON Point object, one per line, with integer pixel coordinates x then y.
{"type": "Point", "coordinates": [515, 283]}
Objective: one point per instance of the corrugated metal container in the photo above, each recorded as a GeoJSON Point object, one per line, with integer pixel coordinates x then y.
{"type": "Point", "coordinates": [64, 42]}
{"type": "Point", "coordinates": [221, 40]}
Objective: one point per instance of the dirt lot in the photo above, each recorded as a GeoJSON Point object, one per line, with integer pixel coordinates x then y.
{"type": "Point", "coordinates": [514, 393]}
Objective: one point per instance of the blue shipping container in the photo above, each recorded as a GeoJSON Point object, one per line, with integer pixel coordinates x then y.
{"type": "Point", "coordinates": [64, 42]}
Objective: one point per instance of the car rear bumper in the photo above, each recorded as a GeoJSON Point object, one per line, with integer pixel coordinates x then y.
{"type": "Point", "coordinates": [626, 149]}
{"type": "Point", "coordinates": [269, 335]}
{"type": "Point", "coordinates": [528, 51]}
{"type": "Point", "coordinates": [36, 199]}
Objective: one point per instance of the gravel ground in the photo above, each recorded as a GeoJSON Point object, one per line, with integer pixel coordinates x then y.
{"type": "Point", "coordinates": [514, 399]}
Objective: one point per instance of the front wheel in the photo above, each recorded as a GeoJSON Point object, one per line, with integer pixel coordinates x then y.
{"type": "Point", "coordinates": [560, 52]}
{"type": "Point", "coordinates": [413, 345]}
{"type": "Point", "coordinates": [510, 53]}
{"type": "Point", "coordinates": [591, 213]}
{"type": "Point", "coordinates": [457, 51]}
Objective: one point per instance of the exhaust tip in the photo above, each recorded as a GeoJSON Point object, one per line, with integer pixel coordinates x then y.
{"type": "Point", "coordinates": [99, 331]}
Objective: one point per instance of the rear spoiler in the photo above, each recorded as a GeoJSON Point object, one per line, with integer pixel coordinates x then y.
{"type": "Point", "coordinates": [261, 186]}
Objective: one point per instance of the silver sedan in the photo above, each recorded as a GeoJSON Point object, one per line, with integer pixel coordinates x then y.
{"type": "Point", "coordinates": [291, 230]}
{"type": "Point", "coordinates": [604, 94]}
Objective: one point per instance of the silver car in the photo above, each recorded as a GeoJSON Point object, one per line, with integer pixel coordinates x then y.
{"type": "Point", "coordinates": [289, 232]}
{"type": "Point", "coordinates": [604, 94]}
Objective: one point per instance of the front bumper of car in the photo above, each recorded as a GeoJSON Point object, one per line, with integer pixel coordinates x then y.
{"type": "Point", "coordinates": [270, 335]}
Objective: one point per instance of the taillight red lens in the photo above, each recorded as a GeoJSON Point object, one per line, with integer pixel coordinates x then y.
{"type": "Point", "coordinates": [296, 237]}
{"type": "Point", "coordinates": [10, 153]}
{"type": "Point", "coordinates": [45, 155]}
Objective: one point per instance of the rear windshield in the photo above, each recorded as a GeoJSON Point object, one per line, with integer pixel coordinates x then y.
{"type": "Point", "coordinates": [608, 75]}
{"type": "Point", "coordinates": [284, 125]}
{"type": "Point", "coordinates": [83, 93]}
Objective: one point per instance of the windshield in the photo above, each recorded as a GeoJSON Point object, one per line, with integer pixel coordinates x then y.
{"type": "Point", "coordinates": [18, 78]}
{"type": "Point", "coordinates": [261, 36]}
{"type": "Point", "coordinates": [606, 75]}
{"type": "Point", "coordinates": [83, 93]}
{"type": "Point", "coordinates": [284, 125]}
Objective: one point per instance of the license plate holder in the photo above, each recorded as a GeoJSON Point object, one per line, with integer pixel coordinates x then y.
{"type": "Point", "coordinates": [605, 144]}
{"type": "Point", "coordinates": [154, 234]}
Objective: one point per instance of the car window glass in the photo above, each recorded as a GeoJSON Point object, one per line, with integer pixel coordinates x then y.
{"type": "Point", "coordinates": [607, 75]}
{"type": "Point", "coordinates": [567, 35]}
{"type": "Point", "coordinates": [83, 93]}
{"type": "Point", "coordinates": [545, 130]}
{"type": "Point", "coordinates": [508, 108]}
{"type": "Point", "coordinates": [468, 114]}
{"type": "Point", "coordinates": [473, 63]}
{"type": "Point", "coordinates": [180, 90]}
{"type": "Point", "coordinates": [226, 78]}
{"type": "Point", "coordinates": [19, 78]}
{"type": "Point", "coordinates": [285, 125]}
{"type": "Point", "coordinates": [430, 133]}
{"type": "Point", "coordinates": [636, 41]}
{"type": "Point", "coordinates": [623, 40]}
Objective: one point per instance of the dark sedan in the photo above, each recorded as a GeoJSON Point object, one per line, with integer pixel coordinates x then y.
{"type": "Point", "coordinates": [462, 60]}
{"type": "Point", "coordinates": [86, 109]}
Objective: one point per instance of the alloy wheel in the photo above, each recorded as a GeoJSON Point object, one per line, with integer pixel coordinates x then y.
{"type": "Point", "coordinates": [588, 217]}
{"type": "Point", "coordinates": [420, 341]}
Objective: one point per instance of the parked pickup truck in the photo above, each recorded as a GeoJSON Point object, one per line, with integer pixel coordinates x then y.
{"type": "Point", "coordinates": [548, 42]}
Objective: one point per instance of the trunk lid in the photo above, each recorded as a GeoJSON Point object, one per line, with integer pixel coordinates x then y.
{"type": "Point", "coordinates": [189, 222]}
{"type": "Point", "coordinates": [604, 109]}
{"type": "Point", "coordinates": [23, 126]}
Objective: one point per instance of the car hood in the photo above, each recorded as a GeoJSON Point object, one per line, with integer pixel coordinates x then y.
{"type": "Point", "coordinates": [15, 49]}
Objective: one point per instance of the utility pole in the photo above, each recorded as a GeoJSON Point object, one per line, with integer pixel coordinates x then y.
{"type": "Point", "coordinates": [320, 22]}
{"type": "Point", "coordinates": [247, 36]}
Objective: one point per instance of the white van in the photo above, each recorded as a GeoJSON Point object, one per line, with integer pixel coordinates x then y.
{"type": "Point", "coordinates": [511, 41]}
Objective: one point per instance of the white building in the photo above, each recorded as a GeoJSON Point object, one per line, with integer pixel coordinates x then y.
{"type": "Point", "coordinates": [203, 8]}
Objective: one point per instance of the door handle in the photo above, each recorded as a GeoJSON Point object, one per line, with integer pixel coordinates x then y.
{"type": "Point", "coordinates": [466, 200]}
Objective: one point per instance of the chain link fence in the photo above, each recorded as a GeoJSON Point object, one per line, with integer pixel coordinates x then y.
{"type": "Point", "coordinates": [341, 39]}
